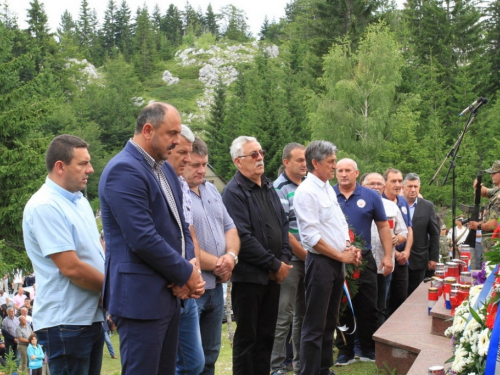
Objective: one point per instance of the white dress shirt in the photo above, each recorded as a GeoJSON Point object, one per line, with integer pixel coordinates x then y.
{"type": "Point", "coordinates": [392, 211]}
{"type": "Point", "coordinates": [319, 215]}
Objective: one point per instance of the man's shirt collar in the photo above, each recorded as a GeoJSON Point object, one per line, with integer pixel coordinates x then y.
{"type": "Point", "coordinates": [72, 197]}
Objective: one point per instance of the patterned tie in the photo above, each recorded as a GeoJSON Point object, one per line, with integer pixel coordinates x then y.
{"type": "Point", "coordinates": [167, 191]}
{"type": "Point", "coordinates": [165, 187]}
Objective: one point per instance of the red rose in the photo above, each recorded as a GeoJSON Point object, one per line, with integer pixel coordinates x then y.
{"type": "Point", "coordinates": [355, 274]}
{"type": "Point", "coordinates": [496, 233]}
{"type": "Point", "coordinates": [351, 235]}
{"type": "Point", "coordinates": [344, 299]}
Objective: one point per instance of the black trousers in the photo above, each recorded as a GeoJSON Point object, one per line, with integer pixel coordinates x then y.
{"type": "Point", "coordinates": [415, 277]}
{"type": "Point", "coordinates": [365, 309]}
{"type": "Point", "coordinates": [255, 308]}
{"type": "Point", "coordinates": [323, 283]}
{"type": "Point", "coordinates": [398, 291]}
{"type": "Point", "coordinates": [382, 284]}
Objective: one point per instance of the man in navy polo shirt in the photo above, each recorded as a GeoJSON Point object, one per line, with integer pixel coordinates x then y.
{"type": "Point", "coordinates": [361, 206]}
{"type": "Point", "coordinates": [398, 289]}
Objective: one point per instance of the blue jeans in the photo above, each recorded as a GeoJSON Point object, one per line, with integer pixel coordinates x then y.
{"type": "Point", "coordinates": [210, 310]}
{"type": "Point", "coordinates": [73, 349]}
{"type": "Point", "coordinates": [109, 344]}
{"type": "Point", "coordinates": [190, 357]}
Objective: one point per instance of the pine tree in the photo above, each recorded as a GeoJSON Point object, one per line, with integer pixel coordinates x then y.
{"type": "Point", "coordinates": [235, 25]}
{"type": "Point", "coordinates": [7, 18]}
{"type": "Point", "coordinates": [192, 20]}
{"type": "Point", "coordinates": [123, 36]}
{"type": "Point", "coordinates": [172, 25]}
{"type": "Point", "coordinates": [38, 30]}
{"type": "Point", "coordinates": [218, 139]}
{"type": "Point", "coordinates": [145, 52]}
{"type": "Point", "coordinates": [108, 30]}
{"type": "Point", "coordinates": [337, 19]}
{"type": "Point", "coordinates": [264, 29]}
{"type": "Point", "coordinates": [211, 22]}
{"type": "Point", "coordinates": [24, 104]}
{"type": "Point", "coordinates": [87, 31]}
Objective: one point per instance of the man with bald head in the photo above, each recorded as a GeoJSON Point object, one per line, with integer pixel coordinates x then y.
{"type": "Point", "coordinates": [361, 206]}
{"type": "Point", "coordinates": [265, 252]}
{"type": "Point", "coordinates": [148, 244]}
{"type": "Point", "coordinates": [23, 332]}
{"type": "Point", "coordinates": [399, 232]}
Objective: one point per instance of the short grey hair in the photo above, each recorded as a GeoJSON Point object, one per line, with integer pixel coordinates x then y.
{"type": "Point", "coordinates": [318, 150]}
{"type": "Point", "coordinates": [371, 174]}
{"type": "Point", "coordinates": [349, 161]}
{"type": "Point", "coordinates": [187, 133]}
{"type": "Point", "coordinates": [411, 177]}
{"type": "Point", "coordinates": [238, 143]}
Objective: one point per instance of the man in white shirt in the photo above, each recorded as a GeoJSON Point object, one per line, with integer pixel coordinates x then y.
{"type": "Point", "coordinates": [325, 235]}
{"type": "Point", "coordinates": [399, 231]}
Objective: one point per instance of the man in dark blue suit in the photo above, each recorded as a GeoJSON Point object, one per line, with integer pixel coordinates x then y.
{"type": "Point", "coordinates": [147, 243]}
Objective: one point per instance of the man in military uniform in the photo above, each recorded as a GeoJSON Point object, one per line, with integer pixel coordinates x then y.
{"type": "Point", "coordinates": [492, 211]}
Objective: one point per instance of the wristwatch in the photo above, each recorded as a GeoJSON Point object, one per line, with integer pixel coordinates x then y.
{"type": "Point", "coordinates": [234, 256]}
{"type": "Point", "coordinates": [479, 226]}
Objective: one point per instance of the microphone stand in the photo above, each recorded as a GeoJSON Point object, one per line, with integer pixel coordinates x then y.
{"type": "Point", "coordinates": [453, 153]}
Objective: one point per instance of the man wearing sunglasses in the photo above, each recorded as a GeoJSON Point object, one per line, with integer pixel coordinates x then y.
{"type": "Point", "coordinates": [262, 225]}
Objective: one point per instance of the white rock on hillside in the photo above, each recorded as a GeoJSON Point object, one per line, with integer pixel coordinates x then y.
{"type": "Point", "coordinates": [273, 51]}
{"type": "Point", "coordinates": [138, 101]}
{"type": "Point", "coordinates": [169, 78]}
{"type": "Point", "coordinates": [219, 65]}
{"type": "Point", "coordinates": [89, 69]}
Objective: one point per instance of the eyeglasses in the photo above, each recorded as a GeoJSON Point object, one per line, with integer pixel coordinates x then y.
{"type": "Point", "coordinates": [254, 154]}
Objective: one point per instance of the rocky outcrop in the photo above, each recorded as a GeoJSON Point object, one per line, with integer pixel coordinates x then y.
{"type": "Point", "coordinates": [169, 78]}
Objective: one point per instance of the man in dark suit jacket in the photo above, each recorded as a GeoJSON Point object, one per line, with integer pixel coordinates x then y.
{"type": "Point", "coordinates": [147, 243]}
{"type": "Point", "coordinates": [425, 249]}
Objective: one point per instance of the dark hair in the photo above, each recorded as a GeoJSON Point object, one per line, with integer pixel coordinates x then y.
{"type": "Point", "coordinates": [391, 170]}
{"type": "Point", "coordinates": [153, 114]}
{"type": "Point", "coordinates": [33, 335]}
{"type": "Point", "coordinates": [287, 150]}
{"type": "Point", "coordinates": [199, 147]}
{"type": "Point", "coordinates": [62, 148]}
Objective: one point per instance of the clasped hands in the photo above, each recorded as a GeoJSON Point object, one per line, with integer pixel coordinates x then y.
{"type": "Point", "coordinates": [224, 267]}
{"type": "Point", "coordinates": [194, 287]}
{"type": "Point", "coordinates": [352, 255]}
{"type": "Point", "coordinates": [280, 275]}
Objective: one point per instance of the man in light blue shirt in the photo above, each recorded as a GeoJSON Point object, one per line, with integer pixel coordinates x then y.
{"type": "Point", "coordinates": [219, 248]}
{"type": "Point", "coordinates": [62, 241]}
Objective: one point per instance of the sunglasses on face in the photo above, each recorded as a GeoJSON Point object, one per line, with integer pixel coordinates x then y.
{"type": "Point", "coordinates": [254, 154]}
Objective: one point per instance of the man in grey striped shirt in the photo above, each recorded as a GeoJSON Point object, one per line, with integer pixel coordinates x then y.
{"type": "Point", "coordinates": [219, 247]}
{"type": "Point", "coordinates": [292, 295]}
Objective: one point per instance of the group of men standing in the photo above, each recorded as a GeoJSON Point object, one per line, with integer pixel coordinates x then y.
{"type": "Point", "coordinates": [171, 240]}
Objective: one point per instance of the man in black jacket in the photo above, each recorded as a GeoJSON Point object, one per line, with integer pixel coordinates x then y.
{"type": "Point", "coordinates": [425, 249]}
{"type": "Point", "coordinates": [262, 227]}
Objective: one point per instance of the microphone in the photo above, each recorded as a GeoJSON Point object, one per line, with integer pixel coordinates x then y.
{"type": "Point", "coordinates": [471, 107]}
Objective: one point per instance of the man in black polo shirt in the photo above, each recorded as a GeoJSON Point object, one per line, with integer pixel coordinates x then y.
{"type": "Point", "coordinates": [262, 226]}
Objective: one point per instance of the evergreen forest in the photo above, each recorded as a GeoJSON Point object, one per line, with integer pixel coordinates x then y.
{"type": "Point", "coordinates": [385, 85]}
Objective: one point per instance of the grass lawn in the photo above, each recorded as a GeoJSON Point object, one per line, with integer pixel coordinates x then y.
{"type": "Point", "coordinates": [224, 363]}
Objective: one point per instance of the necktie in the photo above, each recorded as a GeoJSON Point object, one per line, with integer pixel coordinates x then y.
{"type": "Point", "coordinates": [167, 191]}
